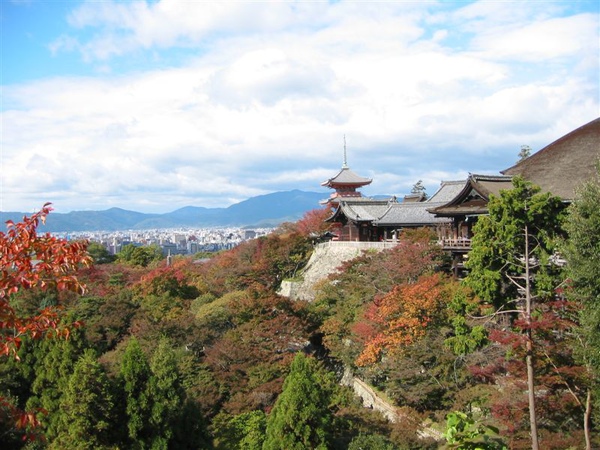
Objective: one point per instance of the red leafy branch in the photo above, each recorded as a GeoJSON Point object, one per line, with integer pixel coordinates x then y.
{"type": "Point", "coordinates": [29, 260]}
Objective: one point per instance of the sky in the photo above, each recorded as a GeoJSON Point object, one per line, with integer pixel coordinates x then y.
{"type": "Point", "coordinates": [155, 105]}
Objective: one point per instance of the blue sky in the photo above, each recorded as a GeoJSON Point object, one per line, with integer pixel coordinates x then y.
{"type": "Point", "coordinates": [152, 106]}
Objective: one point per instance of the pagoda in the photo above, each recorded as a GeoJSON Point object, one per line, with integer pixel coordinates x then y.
{"type": "Point", "coordinates": [345, 183]}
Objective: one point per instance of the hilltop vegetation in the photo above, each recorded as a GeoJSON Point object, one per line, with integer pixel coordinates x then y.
{"type": "Point", "coordinates": [204, 355]}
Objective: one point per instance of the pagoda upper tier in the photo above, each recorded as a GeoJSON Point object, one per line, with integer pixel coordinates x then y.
{"type": "Point", "coordinates": [346, 183]}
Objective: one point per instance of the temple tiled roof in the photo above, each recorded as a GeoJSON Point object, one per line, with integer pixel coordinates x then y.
{"type": "Point", "coordinates": [559, 168]}
{"type": "Point", "coordinates": [409, 214]}
{"type": "Point", "coordinates": [391, 213]}
{"type": "Point", "coordinates": [447, 191]}
{"type": "Point", "coordinates": [363, 209]}
{"type": "Point", "coordinates": [473, 197]}
{"type": "Point", "coordinates": [346, 177]}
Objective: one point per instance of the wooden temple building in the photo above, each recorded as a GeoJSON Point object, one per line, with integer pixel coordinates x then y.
{"type": "Point", "coordinates": [358, 218]}
{"type": "Point", "coordinates": [558, 168]}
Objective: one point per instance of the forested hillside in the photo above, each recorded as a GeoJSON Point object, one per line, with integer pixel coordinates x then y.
{"type": "Point", "coordinates": [203, 354]}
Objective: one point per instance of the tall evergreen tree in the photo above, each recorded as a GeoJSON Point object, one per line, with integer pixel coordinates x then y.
{"type": "Point", "coordinates": [56, 361]}
{"type": "Point", "coordinates": [135, 375]}
{"type": "Point", "coordinates": [521, 220]}
{"type": "Point", "coordinates": [301, 418]}
{"type": "Point", "coordinates": [166, 394]}
{"type": "Point", "coordinates": [582, 251]}
{"type": "Point", "coordinates": [86, 408]}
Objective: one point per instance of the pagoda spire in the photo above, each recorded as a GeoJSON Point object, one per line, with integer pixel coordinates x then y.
{"type": "Point", "coordinates": [345, 182]}
{"type": "Point", "coordinates": [345, 165]}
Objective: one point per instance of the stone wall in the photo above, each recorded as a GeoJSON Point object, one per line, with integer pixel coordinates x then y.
{"type": "Point", "coordinates": [369, 397]}
{"type": "Point", "coordinates": [326, 258]}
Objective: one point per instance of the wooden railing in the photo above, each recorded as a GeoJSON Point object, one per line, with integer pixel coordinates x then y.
{"type": "Point", "coordinates": [455, 243]}
{"type": "Point", "coordinates": [446, 244]}
{"type": "Point", "coordinates": [363, 245]}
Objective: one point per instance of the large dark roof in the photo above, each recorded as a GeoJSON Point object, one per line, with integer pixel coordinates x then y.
{"type": "Point", "coordinates": [473, 196]}
{"type": "Point", "coordinates": [566, 163]}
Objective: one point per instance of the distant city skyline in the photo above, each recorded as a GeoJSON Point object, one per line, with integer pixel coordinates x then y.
{"type": "Point", "coordinates": [181, 241]}
{"type": "Point", "coordinates": [153, 106]}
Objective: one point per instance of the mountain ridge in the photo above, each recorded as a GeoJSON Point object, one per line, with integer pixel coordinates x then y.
{"type": "Point", "coordinates": [266, 210]}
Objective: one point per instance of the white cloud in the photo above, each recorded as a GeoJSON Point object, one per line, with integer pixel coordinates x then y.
{"type": "Point", "coordinates": [552, 38]}
{"type": "Point", "coordinates": [268, 91]}
{"type": "Point", "coordinates": [125, 27]}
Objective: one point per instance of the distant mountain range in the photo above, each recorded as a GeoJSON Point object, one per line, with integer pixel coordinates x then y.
{"type": "Point", "coordinates": [262, 211]}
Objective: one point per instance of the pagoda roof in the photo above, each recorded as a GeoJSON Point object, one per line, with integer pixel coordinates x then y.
{"type": "Point", "coordinates": [346, 177]}
{"type": "Point", "coordinates": [563, 165]}
{"type": "Point", "coordinates": [473, 197]}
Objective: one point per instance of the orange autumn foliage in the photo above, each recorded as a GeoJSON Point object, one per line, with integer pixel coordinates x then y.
{"type": "Point", "coordinates": [401, 317]}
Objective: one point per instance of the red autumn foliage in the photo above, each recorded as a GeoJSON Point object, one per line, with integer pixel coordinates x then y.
{"type": "Point", "coordinates": [27, 261]}
{"type": "Point", "coordinates": [25, 421]}
{"type": "Point", "coordinates": [313, 221]}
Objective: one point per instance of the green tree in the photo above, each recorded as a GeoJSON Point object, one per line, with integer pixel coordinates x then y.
{"type": "Point", "coordinates": [463, 432]}
{"type": "Point", "coordinates": [524, 153]}
{"type": "Point", "coordinates": [419, 188]}
{"type": "Point", "coordinates": [371, 442]}
{"type": "Point", "coordinates": [140, 256]}
{"type": "Point", "coordinates": [582, 251]}
{"type": "Point", "coordinates": [86, 408]}
{"type": "Point", "coordinates": [301, 418]}
{"type": "Point", "coordinates": [244, 431]}
{"type": "Point", "coordinates": [126, 253]}
{"type": "Point", "coordinates": [135, 375]}
{"type": "Point", "coordinates": [166, 394]}
{"type": "Point", "coordinates": [99, 253]}
{"type": "Point", "coordinates": [511, 262]}
{"type": "Point", "coordinates": [521, 220]}
{"type": "Point", "coordinates": [190, 430]}
{"type": "Point", "coordinates": [467, 335]}
{"type": "Point", "coordinates": [56, 360]}
{"type": "Point", "coordinates": [16, 379]}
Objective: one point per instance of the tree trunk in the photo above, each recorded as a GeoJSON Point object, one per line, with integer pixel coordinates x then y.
{"type": "Point", "coordinates": [586, 420]}
{"type": "Point", "coordinates": [531, 394]}
{"type": "Point", "coordinates": [529, 357]}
